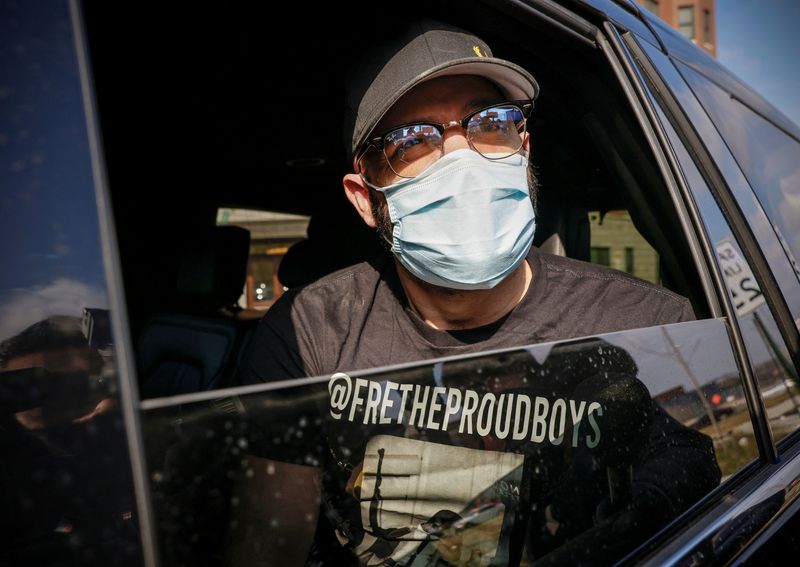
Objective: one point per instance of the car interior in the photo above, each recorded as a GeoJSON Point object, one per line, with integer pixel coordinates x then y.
{"type": "Point", "coordinates": [202, 108]}
{"type": "Point", "coordinates": [220, 169]}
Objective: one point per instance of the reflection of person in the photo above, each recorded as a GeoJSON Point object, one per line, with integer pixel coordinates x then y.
{"type": "Point", "coordinates": [53, 425]}
{"type": "Point", "coordinates": [58, 346]}
{"type": "Point", "coordinates": [455, 201]}
{"type": "Point", "coordinates": [598, 483]}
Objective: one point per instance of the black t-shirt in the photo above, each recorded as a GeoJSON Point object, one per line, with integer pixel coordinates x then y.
{"type": "Point", "coordinates": [358, 318]}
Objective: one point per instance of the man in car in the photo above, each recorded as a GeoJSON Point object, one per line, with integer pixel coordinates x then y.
{"type": "Point", "coordinates": [437, 130]}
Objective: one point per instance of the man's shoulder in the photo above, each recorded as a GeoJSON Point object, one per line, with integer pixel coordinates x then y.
{"type": "Point", "coordinates": [363, 274]}
{"type": "Point", "coordinates": [562, 266]}
{"type": "Point", "coordinates": [602, 286]}
{"type": "Point", "coordinates": [337, 292]}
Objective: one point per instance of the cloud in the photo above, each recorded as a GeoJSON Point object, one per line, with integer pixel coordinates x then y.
{"type": "Point", "coordinates": [63, 296]}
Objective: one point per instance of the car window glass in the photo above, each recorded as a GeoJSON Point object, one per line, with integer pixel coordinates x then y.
{"type": "Point", "coordinates": [272, 234]}
{"type": "Point", "coordinates": [776, 376]}
{"type": "Point", "coordinates": [772, 367]}
{"type": "Point", "coordinates": [769, 158]}
{"type": "Point", "coordinates": [202, 516]}
{"type": "Point", "coordinates": [564, 450]}
{"type": "Point", "coordinates": [762, 228]}
{"type": "Point", "coordinates": [66, 483]}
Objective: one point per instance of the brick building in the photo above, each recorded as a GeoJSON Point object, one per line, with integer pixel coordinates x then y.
{"type": "Point", "coordinates": [696, 19]}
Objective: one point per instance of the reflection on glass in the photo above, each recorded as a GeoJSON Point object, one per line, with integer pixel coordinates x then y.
{"type": "Point", "coordinates": [776, 376]}
{"type": "Point", "coordinates": [769, 158]}
{"type": "Point", "coordinates": [763, 231]}
{"type": "Point", "coordinates": [65, 480]}
{"type": "Point", "coordinates": [68, 491]}
{"type": "Point", "coordinates": [556, 452]}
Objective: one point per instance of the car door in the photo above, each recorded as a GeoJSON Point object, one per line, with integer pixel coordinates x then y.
{"type": "Point", "coordinates": [683, 89]}
{"type": "Point", "coordinates": [650, 444]}
{"type": "Point", "coordinates": [542, 454]}
{"type": "Point", "coordinates": [395, 432]}
{"type": "Point", "coordinates": [71, 484]}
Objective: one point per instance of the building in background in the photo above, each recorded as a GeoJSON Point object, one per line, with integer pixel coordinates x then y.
{"type": "Point", "coordinates": [271, 236]}
{"type": "Point", "coordinates": [615, 242]}
{"type": "Point", "coordinates": [696, 19]}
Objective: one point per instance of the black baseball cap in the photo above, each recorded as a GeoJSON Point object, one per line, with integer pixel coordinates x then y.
{"type": "Point", "coordinates": [420, 51]}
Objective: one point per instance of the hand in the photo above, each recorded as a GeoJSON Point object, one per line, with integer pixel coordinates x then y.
{"type": "Point", "coordinates": [105, 405]}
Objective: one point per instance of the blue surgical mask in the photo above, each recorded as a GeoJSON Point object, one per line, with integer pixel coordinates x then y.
{"type": "Point", "coordinates": [466, 222]}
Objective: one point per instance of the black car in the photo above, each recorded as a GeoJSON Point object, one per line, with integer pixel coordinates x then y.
{"type": "Point", "coordinates": [167, 171]}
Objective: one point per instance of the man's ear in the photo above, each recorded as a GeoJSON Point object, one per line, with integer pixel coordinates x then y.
{"type": "Point", "coordinates": [526, 143]}
{"type": "Point", "coordinates": [358, 195]}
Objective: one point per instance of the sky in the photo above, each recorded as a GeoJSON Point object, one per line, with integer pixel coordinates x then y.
{"type": "Point", "coordinates": [759, 41]}
{"type": "Point", "coordinates": [49, 234]}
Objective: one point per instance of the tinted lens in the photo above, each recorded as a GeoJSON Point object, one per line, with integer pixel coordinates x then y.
{"type": "Point", "coordinates": [376, 169]}
{"type": "Point", "coordinates": [410, 150]}
{"type": "Point", "coordinates": [407, 152]}
{"type": "Point", "coordinates": [497, 132]}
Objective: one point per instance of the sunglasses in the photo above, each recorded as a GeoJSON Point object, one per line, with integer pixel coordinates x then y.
{"type": "Point", "coordinates": [405, 151]}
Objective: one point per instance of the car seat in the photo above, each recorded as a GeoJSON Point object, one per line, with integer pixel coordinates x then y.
{"type": "Point", "coordinates": [191, 347]}
{"type": "Point", "coordinates": [334, 242]}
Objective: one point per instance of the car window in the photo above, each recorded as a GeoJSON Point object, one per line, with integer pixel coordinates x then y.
{"type": "Point", "coordinates": [763, 229]}
{"type": "Point", "coordinates": [272, 234]}
{"type": "Point", "coordinates": [769, 157]}
{"type": "Point", "coordinates": [559, 452]}
{"type": "Point", "coordinates": [67, 478]}
{"type": "Point", "coordinates": [772, 365]}
{"type": "Point", "coordinates": [242, 474]}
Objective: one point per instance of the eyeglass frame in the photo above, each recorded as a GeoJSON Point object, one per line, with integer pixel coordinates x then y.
{"type": "Point", "coordinates": [379, 142]}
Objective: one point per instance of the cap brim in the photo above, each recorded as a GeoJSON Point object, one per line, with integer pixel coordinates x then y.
{"type": "Point", "coordinates": [516, 82]}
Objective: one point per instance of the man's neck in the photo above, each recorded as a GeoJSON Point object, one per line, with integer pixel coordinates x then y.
{"type": "Point", "coordinates": [453, 309]}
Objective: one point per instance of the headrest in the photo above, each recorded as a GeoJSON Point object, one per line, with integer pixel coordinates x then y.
{"type": "Point", "coordinates": [301, 264]}
{"type": "Point", "coordinates": [335, 241]}
{"type": "Point", "coordinates": [213, 267]}
{"type": "Point", "coordinates": [563, 229]}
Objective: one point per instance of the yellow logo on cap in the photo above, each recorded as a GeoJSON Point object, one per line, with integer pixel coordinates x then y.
{"type": "Point", "coordinates": [477, 51]}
